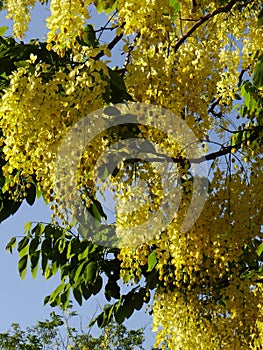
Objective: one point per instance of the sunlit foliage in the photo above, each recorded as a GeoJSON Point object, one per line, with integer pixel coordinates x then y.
{"type": "Point", "coordinates": [203, 61]}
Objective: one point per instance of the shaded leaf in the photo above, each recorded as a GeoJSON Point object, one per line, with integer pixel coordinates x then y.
{"type": "Point", "coordinates": [23, 246]}
{"type": "Point", "coordinates": [34, 259]}
{"type": "Point", "coordinates": [97, 285]}
{"type": "Point", "coordinates": [22, 266]}
{"type": "Point", "coordinates": [31, 195]}
{"type": "Point", "coordinates": [77, 295]}
{"type": "Point", "coordinates": [11, 244]}
{"type": "Point", "coordinates": [90, 272]}
{"type": "Point", "coordinates": [33, 245]}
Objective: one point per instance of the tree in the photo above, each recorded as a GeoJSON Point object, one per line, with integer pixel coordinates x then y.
{"type": "Point", "coordinates": [57, 333]}
{"type": "Point", "coordinates": [188, 123]}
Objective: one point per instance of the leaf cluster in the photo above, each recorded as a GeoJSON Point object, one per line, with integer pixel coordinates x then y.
{"type": "Point", "coordinates": [57, 333]}
{"type": "Point", "coordinates": [85, 269]}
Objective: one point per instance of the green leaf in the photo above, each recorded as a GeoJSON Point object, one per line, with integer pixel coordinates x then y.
{"type": "Point", "coordinates": [73, 248]}
{"type": "Point", "coordinates": [48, 272]}
{"type": "Point", "coordinates": [22, 247]}
{"type": "Point", "coordinates": [110, 313]}
{"type": "Point", "coordinates": [152, 261]}
{"type": "Point", "coordinates": [11, 244]}
{"type": "Point", "coordinates": [77, 295]}
{"type": "Point", "coordinates": [85, 247]}
{"type": "Point", "coordinates": [90, 272]}
{"type": "Point", "coordinates": [93, 321]}
{"type": "Point", "coordinates": [260, 18]}
{"type": "Point", "coordinates": [95, 212]}
{"type": "Point", "coordinates": [89, 37]}
{"type": "Point", "coordinates": [128, 308]}
{"type": "Point", "coordinates": [19, 64]}
{"type": "Point", "coordinates": [9, 208]}
{"type": "Point", "coordinates": [27, 227]}
{"type": "Point", "coordinates": [38, 229]}
{"type": "Point", "coordinates": [152, 279]}
{"type": "Point", "coordinates": [236, 139]}
{"type": "Point", "coordinates": [258, 73]}
{"type": "Point", "coordinates": [124, 307]}
{"type": "Point", "coordinates": [86, 292]}
{"type": "Point", "coordinates": [106, 6]}
{"type": "Point", "coordinates": [61, 244]}
{"type": "Point", "coordinates": [3, 29]}
{"type": "Point", "coordinates": [105, 317]}
{"type": "Point", "coordinates": [46, 299]}
{"type": "Point", "coordinates": [101, 319]}
{"type": "Point", "coordinates": [79, 271]}
{"type": "Point", "coordinates": [97, 285]}
{"type": "Point", "coordinates": [64, 297]}
{"type": "Point", "coordinates": [22, 266]}
{"type": "Point", "coordinates": [38, 192]}
{"type": "Point", "coordinates": [31, 195]}
{"type": "Point", "coordinates": [46, 246]}
{"type": "Point", "coordinates": [33, 245]}
{"type": "Point", "coordinates": [176, 5]}
{"type": "Point", "coordinates": [34, 259]}
{"type": "Point", "coordinates": [259, 249]}
{"type": "Point", "coordinates": [112, 289]}
{"type": "Point", "coordinates": [54, 267]}
{"type": "Point", "coordinates": [137, 300]}
{"type": "Point", "coordinates": [117, 80]}
{"type": "Point", "coordinates": [54, 296]}
{"type": "Point", "coordinates": [119, 314]}
{"type": "Point", "coordinates": [44, 262]}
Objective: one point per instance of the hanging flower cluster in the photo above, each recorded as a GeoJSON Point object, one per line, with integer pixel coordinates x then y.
{"type": "Point", "coordinates": [37, 111]}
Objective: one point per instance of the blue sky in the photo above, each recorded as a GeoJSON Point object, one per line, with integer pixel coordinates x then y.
{"type": "Point", "coordinates": [22, 301]}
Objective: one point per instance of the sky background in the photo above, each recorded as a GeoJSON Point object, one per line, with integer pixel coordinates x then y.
{"type": "Point", "coordinates": [22, 301]}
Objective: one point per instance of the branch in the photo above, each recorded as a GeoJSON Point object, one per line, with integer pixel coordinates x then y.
{"type": "Point", "coordinates": [110, 46]}
{"type": "Point", "coordinates": [214, 155]}
{"type": "Point", "coordinates": [162, 157]}
{"type": "Point", "coordinates": [212, 108]}
{"type": "Point", "coordinates": [159, 157]}
{"type": "Point", "coordinates": [227, 149]}
{"type": "Point", "coordinates": [204, 19]}
{"type": "Point", "coordinates": [131, 47]}
{"type": "Point", "coordinates": [243, 71]}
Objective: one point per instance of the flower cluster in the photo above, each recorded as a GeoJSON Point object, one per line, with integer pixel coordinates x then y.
{"type": "Point", "coordinates": [19, 12]}
{"type": "Point", "coordinates": [37, 111]}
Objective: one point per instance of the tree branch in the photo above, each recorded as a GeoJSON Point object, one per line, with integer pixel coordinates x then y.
{"type": "Point", "coordinates": [204, 19]}
{"type": "Point", "coordinates": [110, 46]}
{"type": "Point", "coordinates": [131, 47]}
{"type": "Point", "coordinates": [159, 157]}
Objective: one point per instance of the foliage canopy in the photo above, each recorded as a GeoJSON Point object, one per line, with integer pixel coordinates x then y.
{"type": "Point", "coordinates": [56, 332]}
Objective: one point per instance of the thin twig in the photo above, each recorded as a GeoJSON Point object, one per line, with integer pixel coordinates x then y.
{"type": "Point", "coordinates": [110, 46]}
{"type": "Point", "coordinates": [204, 19]}
{"type": "Point", "coordinates": [130, 49]}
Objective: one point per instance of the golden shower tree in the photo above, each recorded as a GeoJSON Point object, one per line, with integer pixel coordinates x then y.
{"type": "Point", "coordinates": [201, 61]}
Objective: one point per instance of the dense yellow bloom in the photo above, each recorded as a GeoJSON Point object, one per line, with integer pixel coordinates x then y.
{"type": "Point", "coordinates": [19, 11]}
{"type": "Point", "coordinates": [203, 296]}
{"type": "Point", "coordinates": [31, 141]}
{"type": "Point", "coordinates": [66, 23]}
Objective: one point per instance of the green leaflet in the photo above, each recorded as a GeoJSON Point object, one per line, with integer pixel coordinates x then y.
{"type": "Point", "coordinates": [152, 261]}
{"type": "Point", "coordinates": [3, 29]}
{"type": "Point", "coordinates": [258, 73]}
